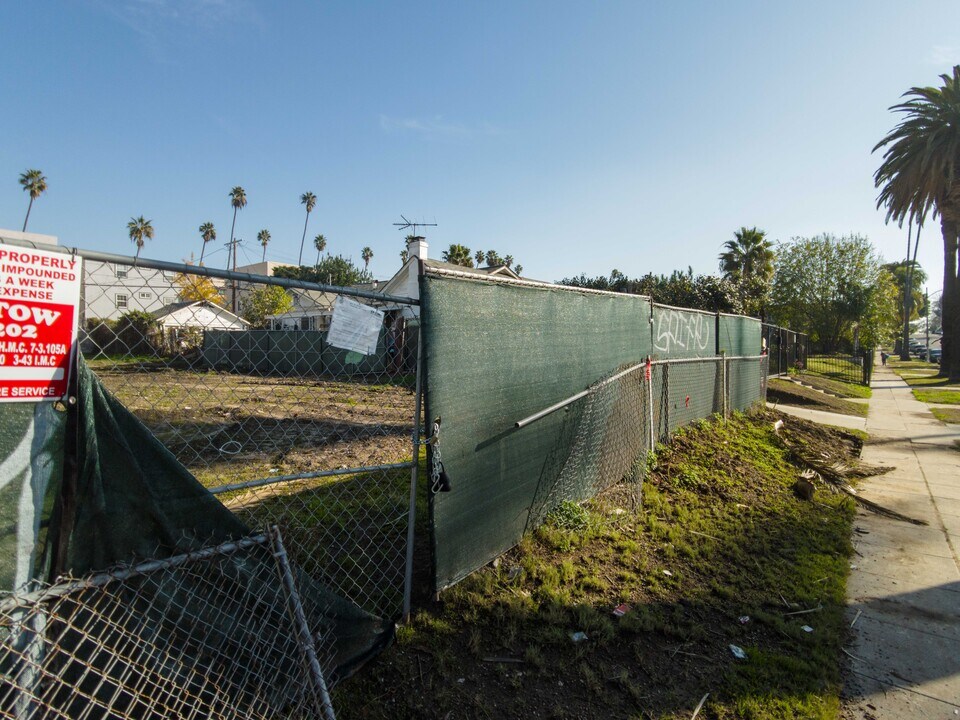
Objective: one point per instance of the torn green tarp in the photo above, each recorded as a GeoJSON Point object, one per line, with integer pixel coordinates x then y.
{"type": "Point", "coordinates": [132, 500]}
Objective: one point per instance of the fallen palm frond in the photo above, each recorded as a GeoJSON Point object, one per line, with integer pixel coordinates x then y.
{"type": "Point", "coordinates": [837, 473]}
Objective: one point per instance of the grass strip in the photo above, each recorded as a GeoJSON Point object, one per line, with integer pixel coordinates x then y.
{"type": "Point", "coordinates": [837, 387]}
{"type": "Point", "coordinates": [947, 415]}
{"type": "Point", "coordinates": [790, 393]}
{"type": "Point", "coordinates": [945, 397]}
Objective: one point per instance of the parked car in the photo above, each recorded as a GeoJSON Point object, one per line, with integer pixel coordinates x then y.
{"type": "Point", "coordinates": [935, 355]}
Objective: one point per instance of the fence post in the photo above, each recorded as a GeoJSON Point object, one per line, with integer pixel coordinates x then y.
{"type": "Point", "coordinates": [414, 481]}
{"type": "Point", "coordinates": [726, 386]}
{"type": "Point", "coordinates": [304, 636]}
{"type": "Point", "coordinates": [779, 352]}
{"type": "Point", "coordinates": [649, 374]}
{"type": "Point", "coordinates": [666, 396]}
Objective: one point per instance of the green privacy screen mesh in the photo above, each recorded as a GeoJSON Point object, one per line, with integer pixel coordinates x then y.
{"type": "Point", "coordinates": [495, 354]}
{"type": "Point", "coordinates": [740, 336]}
{"type": "Point", "coordinates": [680, 333]}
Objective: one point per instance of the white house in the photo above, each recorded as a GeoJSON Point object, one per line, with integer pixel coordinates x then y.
{"type": "Point", "coordinates": [183, 323]}
{"type": "Point", "coordinates": [312, 310]}
{"type": "Point", "coordinates": [406, 281]}
{"type": "Point", "coordinates": [110, 290]}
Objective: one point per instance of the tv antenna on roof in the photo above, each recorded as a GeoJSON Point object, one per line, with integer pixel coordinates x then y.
{"type": "Point", "coordinates": [406, 224]}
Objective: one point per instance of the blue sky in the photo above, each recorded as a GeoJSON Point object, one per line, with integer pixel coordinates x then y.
{"type": "Point", "coordinates": [578, 137]}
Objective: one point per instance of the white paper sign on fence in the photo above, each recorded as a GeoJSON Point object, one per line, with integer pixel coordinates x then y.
{"type": "Point", "coordinates": [355, 326]}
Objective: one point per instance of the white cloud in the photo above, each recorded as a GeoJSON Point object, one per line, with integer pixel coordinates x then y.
{"type": "Point", "coordinates": [161, 23]}
{"type": "Point", "coordinates": [436, 127]}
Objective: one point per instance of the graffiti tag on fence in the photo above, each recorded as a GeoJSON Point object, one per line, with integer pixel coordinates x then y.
{"type": "Point", "coordinates": [684, 330]}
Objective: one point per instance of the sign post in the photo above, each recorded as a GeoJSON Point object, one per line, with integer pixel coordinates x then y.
{"type": "Point", "coordinates": [39, 299]}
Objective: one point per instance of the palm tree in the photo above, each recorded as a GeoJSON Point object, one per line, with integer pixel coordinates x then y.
{"type": "Point", "coordinates": [35, 183]}
{"type": "Point", "coordinates": [479, 255]}
{"type": "Point", "coordinates": [519, 269]}
{"type": "Point", "coordinates": [238, 199]}
{"type": "Point", "coordinates": [508, 260]}
{"type": "Point", "coordinates": [140, 230]}
{"type": "Point", "coordinates": [264, 237]}
{"type": "Point", "coordinates": [367, 255]}
{"type": "Point", "coordinates": [920, 172]}
{"type": "Point", "coordinates": [458, 255]}
{"type": "Point", "coordinates": [320, 243]}
{"type": "Point", "coordinates": [208, 233]}
{"type": "Point", "coordinates": [493, 258]}
{"type": "Point", "coordinates": [310, 201]}
{"type": "Point", "coordinates": [748, 263]}
{"type": "Point", "coordinates": [403, 256]}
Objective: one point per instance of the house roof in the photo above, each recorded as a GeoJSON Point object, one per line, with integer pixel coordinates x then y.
{"type": "Point", "coordinates": [173, 308]}
{"type": "Point", "coordinates": [316, 298]}
{"type": "Point", "coordinates": [501, 270]}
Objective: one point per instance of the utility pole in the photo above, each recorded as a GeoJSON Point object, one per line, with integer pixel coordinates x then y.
{"type": "Point", "coordinates": [231, 246]}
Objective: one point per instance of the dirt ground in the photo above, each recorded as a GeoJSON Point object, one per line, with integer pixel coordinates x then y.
{"type": "Point", "coordinates": [228, 428]}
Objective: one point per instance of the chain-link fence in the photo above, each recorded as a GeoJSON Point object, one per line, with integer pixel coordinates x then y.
{"type": "Point", "coordinates": [235, 375]}
{"type": "Point", "coordinates": [210, 634]}
{"type": "Point", "coordinates": [611, 427]}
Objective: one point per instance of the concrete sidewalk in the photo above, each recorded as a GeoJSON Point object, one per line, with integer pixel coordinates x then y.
{"type": "Point", "coordinates": [850, 422]}
{"type": "Point", "coordinates": [904, 586]}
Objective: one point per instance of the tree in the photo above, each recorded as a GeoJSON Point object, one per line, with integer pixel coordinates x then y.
{"type": "Point", "coordinates": [479, 256]}
{"type": "Point", "coordinates": [920, 173]}
{"type": "Point", "coordinates": [908, 277]}
{"type": "Point", "coordinates": [35, 183]}
{"type": "Point", "coordinates": [320, 243]}
{"type": "Point", "coordinates": [519, 270]}
{"type": "Point", "coordinates": [264, 301]}
{"type": "Point", "coordinates": [403, 256]}
{"type": "Point", "coordinates": [195, 288]}
{"type": "Point", "coordinates": [309, 200]}
{"type": "Point", "coordinates": [140, 230]}
{"type": "Point", "coordinates": [493, 258]}
{"type": "Point", "coordinates": [747, 261]}
{"type": "Point", "coordinates": [332, 270]}
{"type": "Point", "coordinates": [458, 255]}
{"type": "Point", "coordinates": [367, 255]}
{"type": "Point", "coordinates": [508, 260]}
{"type": "Point", "coordinates": [208, 233]}
{"type": "Point", "coordinates": [827, 286]}
{"type": "Point", "coordinates": [264, 238]}
{"type": "Point", "coordinates": [680, 289]}
{"type": "Point", "coordinates": [238, 200]}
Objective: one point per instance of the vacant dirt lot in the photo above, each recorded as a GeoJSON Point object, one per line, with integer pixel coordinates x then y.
{"type": "Point", "coordinates": [228, 427]}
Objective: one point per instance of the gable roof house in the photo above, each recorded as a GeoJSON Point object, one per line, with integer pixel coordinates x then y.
{"type": "Point", "coordinates": [406, 281]}
{"type": "Point", "coordinates": [312, 310]}
{"type": "Point", "coordinates": [183, 323]}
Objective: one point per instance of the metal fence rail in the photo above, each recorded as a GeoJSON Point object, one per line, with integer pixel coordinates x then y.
{"type": "Point", "coordinates": [208, 634]}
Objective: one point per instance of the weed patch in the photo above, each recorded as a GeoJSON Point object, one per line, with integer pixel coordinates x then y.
{"type": "Point", "coordinates": [720, 537]}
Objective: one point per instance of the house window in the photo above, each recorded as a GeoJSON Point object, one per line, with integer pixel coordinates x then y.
{"type": "Point", "coordinates": [121, 301]}
{"type": "Point", "coordinates": [121, 273]}
{"type": "Point", "coordinates": [146, 295]}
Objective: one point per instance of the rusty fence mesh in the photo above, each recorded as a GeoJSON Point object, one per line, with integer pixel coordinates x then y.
{"type": "Point", "coordinates": [236, 377]}
{"type": "Point", "coordinates": [216, 633]}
